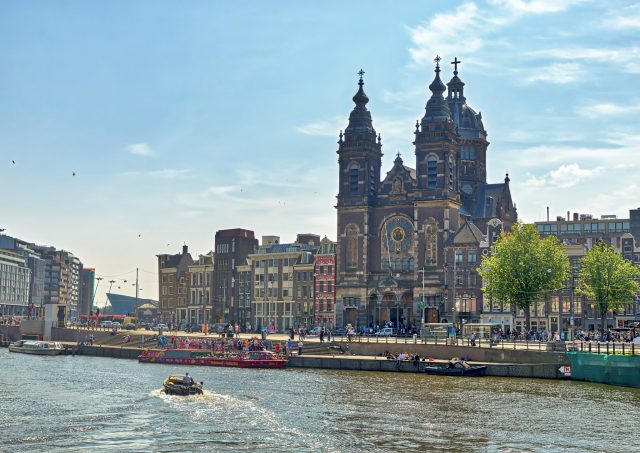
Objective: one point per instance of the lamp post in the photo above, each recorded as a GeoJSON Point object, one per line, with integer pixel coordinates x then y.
{"type": "Point", "coordinates": [422, 305]}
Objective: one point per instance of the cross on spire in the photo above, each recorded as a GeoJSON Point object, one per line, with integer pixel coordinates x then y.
{"type": "Point", "coordinates": [398, 155]}
{"type": "Point", "coordinates": [360, 73]}
{"type": "Point", "coordinates": [437, 60]}
{"type": "Point", "coordinates": [455, 64]}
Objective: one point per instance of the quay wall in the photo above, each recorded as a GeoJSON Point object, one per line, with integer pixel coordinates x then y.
{"type": "Point", "coordinates": [475, 354]}
{"type": "Point", "coordinates": [527, 370]}
{"type": "Point", "coordinates": [10, 333]}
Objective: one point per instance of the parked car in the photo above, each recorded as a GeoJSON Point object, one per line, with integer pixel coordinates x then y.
{"type": "Point", "coordinates": [339, 331]}
{"type": "Point", "coordinates": [105, 323]}
{"type": "Point", "coordinates": [116, 324]}
{"type": "Point", "coordinates": [162, 327]}
{"type": "Point", "coordinates": [386, 332]}
{"type": "Point", "coordinates": [315, 331]}
{"type": "Point", "coordinates": [130, 326]}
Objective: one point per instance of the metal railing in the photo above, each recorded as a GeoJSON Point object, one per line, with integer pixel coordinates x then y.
{"type": "Point", "coordinates": [520, 345]}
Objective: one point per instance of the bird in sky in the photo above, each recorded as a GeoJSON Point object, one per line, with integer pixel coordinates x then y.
{"type": "Point", "coordinates": [139, 235]}
{"type": "Point", "coordinates": [74, 173]}
{"type": "Point", "coordinates": [13, 162]}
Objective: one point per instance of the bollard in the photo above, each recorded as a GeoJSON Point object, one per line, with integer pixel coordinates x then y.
{"type": "Point", "coordinates": [607, 347]}
{"type": "Point", "coordinates": [614, 348]}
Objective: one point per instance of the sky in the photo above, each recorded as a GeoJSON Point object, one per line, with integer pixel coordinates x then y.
{"type": "Point", "coordinates": [137, 127]}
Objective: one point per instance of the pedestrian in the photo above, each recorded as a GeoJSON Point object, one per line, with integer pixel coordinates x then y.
{"type": "Point", "coordinates": [289, 346]}
{"type": "Point", "coordinates": [300, 347]}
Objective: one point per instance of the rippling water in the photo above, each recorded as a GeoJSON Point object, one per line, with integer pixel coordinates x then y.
{"type": "Point", "coordinates": [100, 404]}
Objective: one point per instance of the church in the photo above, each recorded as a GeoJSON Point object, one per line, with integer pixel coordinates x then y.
{"type": "Point", "coordinates": [410, 242]}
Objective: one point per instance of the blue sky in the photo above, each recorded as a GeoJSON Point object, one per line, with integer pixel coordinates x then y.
{"type": "Point", "coordinates": [182, 118]}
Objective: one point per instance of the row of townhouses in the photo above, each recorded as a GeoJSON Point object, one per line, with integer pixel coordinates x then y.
{"type": "Point", "coordinates": [254, 284]}
{"type": "Point", "coordinates": [32, 276]}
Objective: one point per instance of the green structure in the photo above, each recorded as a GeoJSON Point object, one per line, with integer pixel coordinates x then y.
{"type": "Point", "coordinates": [605, 368]}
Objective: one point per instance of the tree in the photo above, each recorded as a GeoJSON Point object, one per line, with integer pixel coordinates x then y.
{"type": "Point", "coordinates": [523, 268]}
{"type": "Point", "coordinates": [608, 279]}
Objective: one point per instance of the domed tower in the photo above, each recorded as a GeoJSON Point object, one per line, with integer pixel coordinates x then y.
{"type": "Point", "coordinates": [472, 139]}
{"type": "Point", "coordinates": [436, 146]}
{"type": "Point", "coordinates": [360, 155]}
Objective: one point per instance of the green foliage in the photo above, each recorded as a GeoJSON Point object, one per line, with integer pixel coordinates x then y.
{"type": "Point", "coordinates": [608, 279]}
{"type": "Point", "coordinates": [524, 268]}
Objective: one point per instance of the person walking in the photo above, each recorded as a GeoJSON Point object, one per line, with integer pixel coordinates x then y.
{"type": "Point", "coordinates": [300, 347]}
{"type": "Point", "coordinates": [289, 346]}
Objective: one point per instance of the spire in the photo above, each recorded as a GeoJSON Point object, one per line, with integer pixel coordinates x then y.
{"type": "Point", "coordinates": [507, 179]}
{"type": "Point", "coordinates": [455, 85]}
{"type": "Point", "coordinates": [437, 108]}
{"type": "Point", "coordinates": [398, 160]}
{"type": "Point", "coordinates": [360, 118]}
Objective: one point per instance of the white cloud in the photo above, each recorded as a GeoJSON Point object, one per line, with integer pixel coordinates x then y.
{"type": "Point", "coordinates": [169, 173]}
{"type": "Point", "coordinates": [571, 175]}
{"type": "Point", "coordinates": [626, 58]}
{"type": "Point", "coordinates": [628, 17]}
{"type": "Point", "coordinates": [535, 6]}
{"type": "Point", "coordinates": [323, 128]}
{"type": "Point", "coordinates": [608, 109]}
{"type": "Point", "coordinates": [565, 176]}
{"type": "Point", "coordinates": [556, 73]}
{"type": "Point", "coordinates": [441, 35]}
{"type": "Point", "coordinates": [141, 149]}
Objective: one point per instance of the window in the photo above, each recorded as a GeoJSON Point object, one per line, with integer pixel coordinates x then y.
{"type": "Point", "coordinates": [432, 173]}
{"type": "Point", "coordinates": [546, 228]}
{"type": "Point", "coordinates": [471, 257]}
{"type": "Point", "coordinates": [467, 153]}
{"type": "Point", "coordinates": [351, 233]}
{"type": "Point", "coordinates": [321, 270]}
{"type": "Point", "coordinates": [330, 269]}
{"type": "Point", "coordinates": [458, 255]}
{"type": "Point", "coordinates": [451, 172]}
{"type": "Point", "coordinates": [431, 243]}
{"type": "Point", "coordinates": [353, 180]}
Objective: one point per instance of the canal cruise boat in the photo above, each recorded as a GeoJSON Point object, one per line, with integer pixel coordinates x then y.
{"type": "Point", "coordinates": [36, 347]}
{"type": "Point", "coordinates": [243, 359]}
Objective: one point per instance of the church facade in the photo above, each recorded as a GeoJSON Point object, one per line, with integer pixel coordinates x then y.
{"type": "Point", "coordinates": [404, 238]}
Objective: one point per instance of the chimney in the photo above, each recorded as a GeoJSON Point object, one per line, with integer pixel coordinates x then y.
{"type": "Point", "coordinates": [547, 213]}
{"type": "Point", "coordinates": [568, 216]}
{"type": "Point", "coordinates": [575, 216]}
{"type": "Point", "coordinates": [185, 249]}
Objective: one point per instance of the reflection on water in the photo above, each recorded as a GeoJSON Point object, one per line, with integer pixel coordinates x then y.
{"type": "Point", "coordinates": [87, 403]}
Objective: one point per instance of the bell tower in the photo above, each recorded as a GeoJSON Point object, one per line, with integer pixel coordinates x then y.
{"type": "Point", "coordinates": [436, 146]}
{"type": "Point", "coordinates": [359, 155]}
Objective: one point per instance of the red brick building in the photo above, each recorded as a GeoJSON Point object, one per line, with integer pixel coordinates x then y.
{"type": "Point", "coordinates": [325, 288]}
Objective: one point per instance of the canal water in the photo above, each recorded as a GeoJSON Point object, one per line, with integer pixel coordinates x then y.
{"type": "Point", "coordinates": [99, 404]}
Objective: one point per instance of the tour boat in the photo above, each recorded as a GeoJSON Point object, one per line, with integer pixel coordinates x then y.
{"type": "Point", "coordinates": [175, 385]}
{"type": "Point", "coordinates": [241, 359]}
{"type": "Point", "coordinates": [36, 347]}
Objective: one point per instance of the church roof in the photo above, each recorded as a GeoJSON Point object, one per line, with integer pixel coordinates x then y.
{"type": "Point", "coordinates": [489, 195]}
{"type": "Point", "coordinates": [467, 234]}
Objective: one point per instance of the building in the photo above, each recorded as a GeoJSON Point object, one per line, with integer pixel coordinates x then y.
{"type": "Point", "coordinates": [232, 247]}
{"type": "Point", "coordinates": [88, 291]}
{"type": "Point", "coordinates": [325, 278]}
{"type": "Point", "coordinates": [37, 266]}
{"type": "Point", "coordinates": [278, 271]}
{"type": "Point", "coordinates": [245, 296]}
{"type": "Point", "coordinates": [15, 277]}
{"type": "Point", "coordinates": [200, 289]}
{"type": "Point", "coordinates": [173, 284]}
{"type": "Point", "coordinates": [566, 311]}
{"type": "Point", "coordinates": [393, 231]}
{"type": "Point", "coordinates": [128, 305]}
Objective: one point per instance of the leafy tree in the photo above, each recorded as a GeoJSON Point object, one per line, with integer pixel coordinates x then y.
{"type": "Point", "coordinates": [523, 268]}
{"type": "Point", "coordinates": [608, 279]}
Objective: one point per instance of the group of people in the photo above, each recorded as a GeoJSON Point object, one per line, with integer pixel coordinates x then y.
{"type": "Point", "coordinates": [10, 320]}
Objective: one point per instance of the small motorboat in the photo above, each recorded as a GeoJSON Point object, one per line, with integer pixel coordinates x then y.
{"type": "Point", "coordinates": [182, 384]}
{"type": "Point", "coordinates": [457, 367]}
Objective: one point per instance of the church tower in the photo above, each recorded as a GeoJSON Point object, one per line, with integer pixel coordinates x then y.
{"type": "Point", "coordinates": [360, 155]}
{"type": "Point", "coordinates": [436, 146]}
{"type": "Point", "coordinates": [473, 142]}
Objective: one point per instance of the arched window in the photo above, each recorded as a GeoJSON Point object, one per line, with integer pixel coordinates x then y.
{"type": "Point", "coordinates": [431, 243]}
{"type": "Point", "coordinates": [351, 233]}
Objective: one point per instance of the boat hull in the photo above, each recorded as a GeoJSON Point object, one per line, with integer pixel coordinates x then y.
{"type": "Point", "coordinates": [35, 351]}
{"type": "Point", "coordinates": [233, 362]}
{"type": "Point", "coordinates": [473, 371]}
{"type": "Point", "coordinates": [182, 390]}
